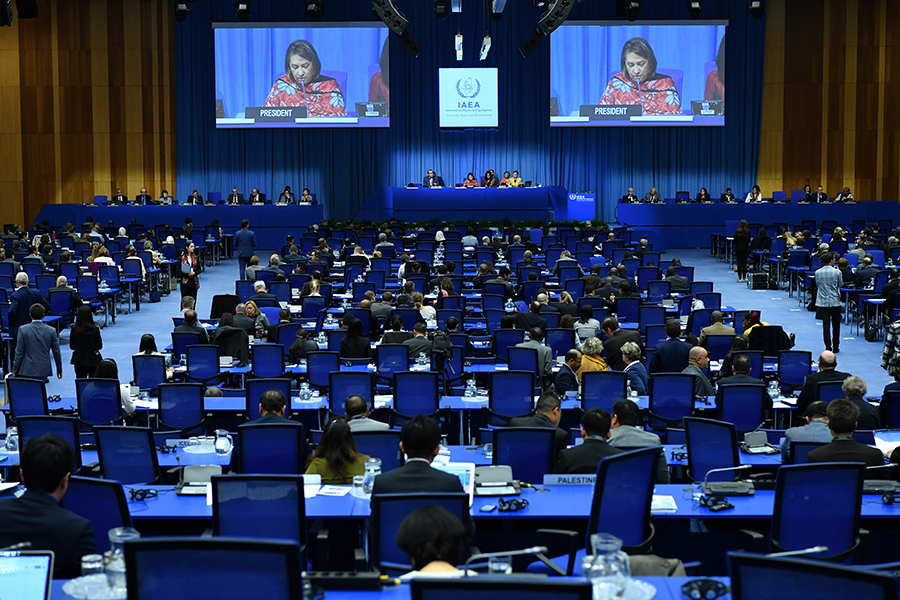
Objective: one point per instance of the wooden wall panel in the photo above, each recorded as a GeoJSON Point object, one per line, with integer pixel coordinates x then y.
{"type": "Point", "coordinates": [86, 103]}
{"type": "Point", "coordinates": [836, 72]}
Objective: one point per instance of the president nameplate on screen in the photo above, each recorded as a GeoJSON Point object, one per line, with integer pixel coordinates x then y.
{"type": "Point", "coordinates": [281, 114]}
{"type": "Point", "coordinates": [611, 112]}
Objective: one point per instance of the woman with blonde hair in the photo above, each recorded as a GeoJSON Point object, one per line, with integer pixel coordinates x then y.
{"type": "Point", "coordinates": [567, 306]}
{"type": "Point", "coordinates": [591, 359]}
{"type": "Point", "coordinates": [260, 320]}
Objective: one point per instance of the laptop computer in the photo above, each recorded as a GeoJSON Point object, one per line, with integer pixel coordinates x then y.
{"type": "Point", "coordinates": [465, 472]}
{"type": "Point", "coordinates": [496, 480]}
{"type": "Point", "coordinates": [26, 574]}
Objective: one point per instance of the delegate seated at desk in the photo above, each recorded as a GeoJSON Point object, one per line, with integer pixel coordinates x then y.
{"type": "Point", "coordinates": [434, 539]}
{"type": "Point", "coordinates": [815, 430]}
{"type": "Point", "coordinates": [235, 198]}
{"type": "Point", "coordinates": [653, 196]}
{"type": "Point", "coordinates": [547, 413]}
{"type": "Point", "coordinates": [432, 180]}
{"type": "Point", "coordinates": [630, 197]}
{"type": "Point", "coordinates": [420, 441]}
{"type": "Point", "coordinates": [727, 196]}
{"type": "Point", "coordinates": [583, 459]}
{"type": "Point", "coordinates": [842, 418]}
{"type": "Point", "coordinates": [46, 463]}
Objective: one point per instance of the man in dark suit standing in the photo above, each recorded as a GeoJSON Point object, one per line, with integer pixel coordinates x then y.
{"type": "Point", "coordinates": [420, 441]}
{"type": "Point", "coordinates": [190, 326]}
{"type": "Point", "coordinates": [46, 463]}
{"type": "Point", "coordinates": [35, 342]}
{"type": "Point", "coordinates": [547, 414]}
{"type": "Point", "coordinates": [566, 379]}
{"type": "Point", "coordinates": [532, 318]}
{"type": "Point", "coordinates": [432, 180]}
{"type": "Point", "coordinates": [842, 417]}
{"type": "Point", "coordinates": [244, 243]}
{"type": "Point", "coordinates": [584, 459]}
{"type": "Point", "coordinates": [235, 198]}
{"type": "Point", "coordinates": [827, 372]}
{"type": "Point", "coordinates": [616, 338]}
{"type": "Point", "coordinates": [672, 355]}
{"type": "Point", "coordinates": [20, 304]}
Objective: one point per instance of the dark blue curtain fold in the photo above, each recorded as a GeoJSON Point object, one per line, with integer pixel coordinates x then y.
{"type": "Point", "coordinates": [344, 167]}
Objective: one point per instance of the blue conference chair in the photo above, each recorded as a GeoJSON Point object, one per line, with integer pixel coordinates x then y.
{"type": "Point", "coordinates": [100, 501]}
{"type": "Point", "coordinates": [711, 445]}
{"type": "Point", "coordinates": [127, 454]}
{"type": "Point", "coordinates": [390, 359]}
{"type": "Point", "coordinates": [743, 406]}
{"type": "Point", "coordinates": [319, 365]}
{"type": "Point", "coordinates": [600, 389]}
{"type": "Point", "coordinates": [229, 567]}
{"type": "Point", "coordinates": [271, 448]}
{"type": "Point", "coordinates": [311, 306]}
{"type": "Point", "coordinates": [502, 340]}
{"type": "Point", "coordinates": [27, 397]}
{"type": "Point", "coordinates": [828, 390]}
{"type": "Point", "coordinates": [560, 341]}
{"type": "Point", "coordinates": [381, 444]}
{"type": "Point", "coordinates": [825, 488]}
{"type": "Point", "coordinates": [149, 370]}
{"type": "Point", "coordinates": [267, 360]}
{"type": "Point", "coordinates": [755, 576]}
{"type": "Point", "coordinates": [255, 388]}
{"type": "Point", "coordinates": [180, 341]}
{"type": "Point", "coordinates": [793, 367]}
{"type": "Point", "coordinates": [243, 505]}
{"type": "Point", "coordinates": [388, 512]}
{"type": "Point", "coordinates": [343, 384]}
{"type": "Point", "coordinates": [671, 399]}
{"type": "Point", "coordinates": [65, 427]}
{"type": "Point", "coordinates": [529, 451]}
{"type": "Point", "coordinates": [511, 395]}
{"type": "Point", "coordinates": [416, 393]}
{"type": "Point", "coordinates": [99, 401]}
{"type": "Point", "coordinates": [181, 408]}
{"type": "Point", "coordinates": [203, 364]}
{"type": "Point", "coordinates": [717, 346]}
{"type": "Point", "coordinates": [798, 452]}
{"type": "Point", "coordinates": [620, 506]}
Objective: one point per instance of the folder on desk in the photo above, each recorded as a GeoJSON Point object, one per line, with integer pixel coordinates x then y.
{"type": "Point", "coordinates": [496, 480]}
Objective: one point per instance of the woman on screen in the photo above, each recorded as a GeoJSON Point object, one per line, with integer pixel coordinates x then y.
{"type": "Point", "coordinates": [639, 83]}
{"type": "Point", "coordinates": [715, 81]}
{"type": "Point", "coordinates": [380, 84]}
{"type": "Point", "coordinates": [303, 84]}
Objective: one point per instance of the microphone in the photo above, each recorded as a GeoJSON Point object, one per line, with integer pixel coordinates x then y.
{"type": "Point", "coordinates": [805, 551]}
{"type": "Point", "coordinates": [19, 546]}
{"type": "Point", "coordinates": [727, 488]}
{"type": "Point", "coordinates": [180, 473]}
{"type": "Point", "coordinates": [537, 551]}
{"type": "Point", "coordinates": [305, 99]}
{"type": "Point", "coordinates": [640, 94]}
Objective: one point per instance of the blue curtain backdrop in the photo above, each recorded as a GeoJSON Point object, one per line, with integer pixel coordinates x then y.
{"type": "Point", "coordinates": [344, 167]}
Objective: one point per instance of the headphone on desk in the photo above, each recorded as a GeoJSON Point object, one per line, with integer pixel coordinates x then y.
{"type": "Point", "coordinates": [512, 505]}
{"type": "Point", "coordinates": [141, 495]}
{"type": "Point", "coordinates": [715, 502]}
{"type": "Point", "coordinates": [704, 589]}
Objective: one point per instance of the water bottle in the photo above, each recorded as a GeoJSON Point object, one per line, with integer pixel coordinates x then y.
{"type": "Point", "coordinates": [373, 470]}
{"type": "Point", "coordinates": [422, 361]}
{"type": "Point", "coordinates": [436, 291]}
{"type": "Point", "coordinates": [305, 392]}
{"type": "Point", "coordinates": [470, 389]}
{"type": "Point", "coordinates": [608, 569]}
{"type": "Point", "coordinates": [360, 278]}
{"type": "Point", "coordinates": [12, 440]}
{"type": "Point", "coordinates": [509, 305]}
{"type": "Point", "coordinates": [322, 339]}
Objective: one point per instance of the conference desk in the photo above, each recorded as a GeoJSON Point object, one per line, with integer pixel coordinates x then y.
{"type": "Point", "coordinates": [270, 223]}
{"type": "Point", "coordinates": [667, 588]}
{"type": "Point", "coordinates": [558, 502]}
{"type": "Point", "coordinates": [690, 225]}
{"type": "Point", "coordinates": [449, 203]}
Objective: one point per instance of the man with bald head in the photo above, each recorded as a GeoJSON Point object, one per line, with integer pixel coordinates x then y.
{"type": "Point", "coordinates": [698, 361]}
{"type": "Point", "coordinates": [827, 372]}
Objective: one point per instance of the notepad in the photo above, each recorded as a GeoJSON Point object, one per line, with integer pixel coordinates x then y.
{"type": "Point", "coordinates": [663, 504]}
{"type": "Point", "coordinates": [334, 490]}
